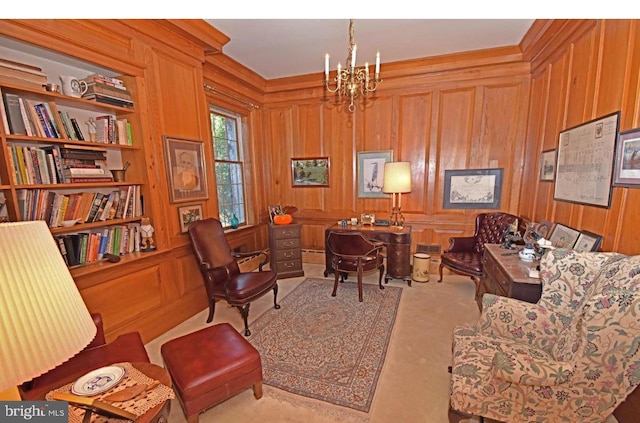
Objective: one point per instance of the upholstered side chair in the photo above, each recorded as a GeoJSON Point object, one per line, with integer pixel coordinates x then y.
{"type": "Point", "coordinates": [571, 357]}
{"type": "Point", "coordinates": [221, 274]}
{"type": "Point", "coordinates": [354, 253]}
{"type": "Point", "coordinates": [464, 255]}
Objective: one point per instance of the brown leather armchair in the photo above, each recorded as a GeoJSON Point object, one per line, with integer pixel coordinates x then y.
{"type": "Point", "coordinates": [464, 255]}
{"type": "Point", "coordinates": [125, 348]}
{"type": "Point", "coordinates": [220, 272]}
{"type": "Point", "coordinates": [352, 252]}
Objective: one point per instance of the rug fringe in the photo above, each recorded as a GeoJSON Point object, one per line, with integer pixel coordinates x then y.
{"type": "Point", "coordinates": [324, 409]}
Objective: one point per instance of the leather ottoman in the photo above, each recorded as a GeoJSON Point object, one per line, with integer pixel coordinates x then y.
{"type": "Point", "coordinates": [211, 365]}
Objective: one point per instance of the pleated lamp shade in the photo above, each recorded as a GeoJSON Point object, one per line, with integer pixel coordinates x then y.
{"type": "Point", "coordinates": [397, 177]}
{"type": "Point", "coordinates": [43, 319]}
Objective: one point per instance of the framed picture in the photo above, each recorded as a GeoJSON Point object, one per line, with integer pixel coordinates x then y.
{"type": "Point", "coordinates": [584, 171]}
{"type": "Point", "coordinates": [544, 228]}
{"type": "Point", "coordinates": [548, 165]}
{"type": "Point", "coordinates": [563, 236]}
{"type": "Point", "coordinates": [588, 241]}
{"type": "Point", "coordinates": [371, 173]}
{"type": "Point", "coordinates": [188, 215]}
{"type": "Point", "coordinates": [185, 169]}
{"type": "Point", "coordinates": [472, 189]}
{"type": "Point", "coordinates": [627, 167]}
{"type": "Point", "coordinates": [310, 171]}
{"type": "Point", "coordinates": [274, 211]}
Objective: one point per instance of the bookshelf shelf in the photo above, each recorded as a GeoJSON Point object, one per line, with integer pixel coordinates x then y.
{"type": "Point", "coordinates": [42, 149]}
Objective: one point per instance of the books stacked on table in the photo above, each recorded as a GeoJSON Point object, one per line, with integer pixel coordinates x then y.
{"type": "Point", "coordinates": [107, 90]}
{"type": "Point", "coordinates": [22, 73]}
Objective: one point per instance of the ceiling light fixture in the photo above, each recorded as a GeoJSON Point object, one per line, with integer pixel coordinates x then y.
{"type": "Point", "coordinates": [352, 81]}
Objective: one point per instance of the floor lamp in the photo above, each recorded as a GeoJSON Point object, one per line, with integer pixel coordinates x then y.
{"type": "Point", "coordinates": [43, 319]}
{"type": "Point", "coordinates": [397, 180]}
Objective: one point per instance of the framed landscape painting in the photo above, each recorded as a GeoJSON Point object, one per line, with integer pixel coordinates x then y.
{"type": "Point", "coordinates": [310, 171]}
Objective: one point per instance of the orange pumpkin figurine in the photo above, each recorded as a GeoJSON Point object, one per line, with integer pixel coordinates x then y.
{"type": "Point", "coordinates": [282, 219]}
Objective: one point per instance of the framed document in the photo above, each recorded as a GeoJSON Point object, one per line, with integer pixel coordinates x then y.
{"type": "Point", "coordinates": [586, 153]}
{"type": "Point", "coordinates": [472, 189]}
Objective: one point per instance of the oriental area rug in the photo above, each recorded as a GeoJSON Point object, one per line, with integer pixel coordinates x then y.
{"type": "Point", "coordinates": [327, 348]}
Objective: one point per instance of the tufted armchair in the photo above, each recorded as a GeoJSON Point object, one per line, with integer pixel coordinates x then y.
{"type": "Point", "coordinates": [464, 254]}
{"type": "Point", "coordinates": [573, 356]}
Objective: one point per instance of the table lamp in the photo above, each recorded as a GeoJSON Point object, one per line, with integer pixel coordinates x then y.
{"type": "Point", "coordinates": [397, 180]}
{"type": "Point", "coordinates": [43, 319]}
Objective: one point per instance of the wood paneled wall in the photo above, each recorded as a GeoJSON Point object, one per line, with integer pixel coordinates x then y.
{"type": "Point", "coordinates": [465, 111]}
{"type": "Point", "coordinates": [581, 70]}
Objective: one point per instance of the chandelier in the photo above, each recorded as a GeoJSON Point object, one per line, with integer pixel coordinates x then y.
{"type": "Point", "coordinates": [351, 81]}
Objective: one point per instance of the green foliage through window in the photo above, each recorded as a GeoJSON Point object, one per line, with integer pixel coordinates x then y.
{"type": "Point", "coordinates": [228, 166]}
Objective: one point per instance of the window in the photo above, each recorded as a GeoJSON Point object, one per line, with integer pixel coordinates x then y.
{"type": "Point", "coordinates": [227, 143]}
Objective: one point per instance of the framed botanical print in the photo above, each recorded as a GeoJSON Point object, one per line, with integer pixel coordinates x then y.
{"type": "Point", "coordinates": [371, 173]}
{"type": "Point", "coordinates": [188, 215]}
{"type": "Point", "coordinates": [588, 241]}
{"type": "Point", "coordinates": [563, 236]}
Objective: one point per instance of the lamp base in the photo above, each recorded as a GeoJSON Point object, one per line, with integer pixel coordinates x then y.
{"type": "Point", "coordinates": [396, 218]}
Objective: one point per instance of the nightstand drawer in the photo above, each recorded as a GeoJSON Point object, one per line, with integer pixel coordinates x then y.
{"type": "Point", "coordinates": [286, 231]}
{"type": "Point", "coordinates": [284, 244]}
{"type": "Point", "coordinates": [284, 255]}
{"type": "Point", "coordinates": [288, 266]}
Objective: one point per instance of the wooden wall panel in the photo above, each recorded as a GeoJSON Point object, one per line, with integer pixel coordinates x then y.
{"type": "Point", "coordinates": [598, 61]}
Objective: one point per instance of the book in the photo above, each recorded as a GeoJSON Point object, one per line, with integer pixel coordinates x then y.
{"type": "Point", "coordinates": [63, 249]}
{"type": "Point", "coordinates": [15, 121]}
{"type": "Point", "coordinates": [35, 119]}
{"type": "Point", "coordinates": [88, 179]}
{"type": "Point", "coordinates": [77, 130]}
{"type": "Point", "coordinates": [104, 79]}
{"type": "Point", "coordinates": [54, 151]}
{"type": "Point", "coordinates": [26, 119]}
{"type": "Point", "coordinates": [72, 255]}
{"type": "Point", "coordinates": [46, 120]}
{"type": "Point", "coordinates": [95, 205]}
{"type": "Point", "coordinates": [98, 87]}
{"type": "Point", "coordinates": [68, 126]}
{"type": "Point", "coordinates": [3, 111]}
{"type": "Point", "coordinates": [21, 164]}
{"type": "Point", "coordinates": [53, 111]}
{"type": "Point", "coordinates": [111, 100]}
{"type": "Point", "coordinates": [85, 206]}
{"type": "Point", "coordinates": [13, 165]}
{"type": "Point", "coordinates": [106, 210]}
{"type": "Point", "coordinates": [23, 74]}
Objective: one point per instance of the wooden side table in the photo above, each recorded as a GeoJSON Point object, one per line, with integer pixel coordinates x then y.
{"type": "Point", "coordinates": [285, 250]}
{"type": "Point", "coordinates": [506, 275]}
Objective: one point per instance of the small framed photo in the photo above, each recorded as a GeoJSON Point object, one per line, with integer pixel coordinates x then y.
{"type": "Point", "coordinates": [371, 173]}
{"type": "Point", "coordinates": [544, 228]}
{"type": "Point", "coordinates": [588, 241]}
{"type": "Point", "coordinates": [627, 167]}
{"type": "Point", "coordinates": [548, 165]}
{"type": "Point", "coordinates": [310, 171]}
{"type": "Point", "coordinates": [188, 215]}
{"type": "Point", "coordinates": [186, 169]}
{"type": "Point", "coordinates": [563, 236]}
{"type": "Point", "coordinates": [472, 189]}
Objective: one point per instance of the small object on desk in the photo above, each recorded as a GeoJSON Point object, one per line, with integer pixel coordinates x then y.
{"type": "Point", "coordinates": [367, 218]}
{"type": "Point", "coordinates": [381, 222]}
{"type": "Point", "coordinates": [112, 258]}
{"type": "Point", "coordinates": [534, 273]}
{"type": "Point", "coordinates": [94, 405]}
{"type": "Point", "coordinates": [130, 392]}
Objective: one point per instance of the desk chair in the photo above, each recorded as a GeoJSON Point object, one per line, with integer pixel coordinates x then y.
{"type": "Point", "coordinates": [353, 252]}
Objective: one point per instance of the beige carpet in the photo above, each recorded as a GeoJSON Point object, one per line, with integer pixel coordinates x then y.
{"type": "Point", "coordinates": [414, 384]}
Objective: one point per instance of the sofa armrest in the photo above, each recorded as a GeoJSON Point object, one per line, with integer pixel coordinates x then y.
{"type": "Point", "coordinates": [518, 320]}
{"type": "Point", "coordinates": [529, 366]}
{"type": "Point", "coordinates": [460, 243]}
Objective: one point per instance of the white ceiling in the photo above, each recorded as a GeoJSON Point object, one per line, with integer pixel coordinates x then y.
{"type": "Point", "coordinates": [276, 48]}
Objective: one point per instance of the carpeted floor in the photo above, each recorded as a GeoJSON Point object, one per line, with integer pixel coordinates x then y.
{"type": "Point", "coordinates": [328, 348]}
{"type": "Point", "coordinates": [413, 386]}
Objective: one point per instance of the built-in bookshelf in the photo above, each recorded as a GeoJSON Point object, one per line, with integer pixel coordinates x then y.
{"type": "Point", "coordinates": [56, 160]}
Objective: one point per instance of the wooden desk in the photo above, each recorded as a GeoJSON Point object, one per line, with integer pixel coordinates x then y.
{"type": "Point", "coordinates": [397, 241]}
{"type": "Point", "coordinates": [506, 275]}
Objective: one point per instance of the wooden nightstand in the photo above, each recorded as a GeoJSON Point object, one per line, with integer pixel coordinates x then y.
{"type": "Point", "coordinates": [286, 250]}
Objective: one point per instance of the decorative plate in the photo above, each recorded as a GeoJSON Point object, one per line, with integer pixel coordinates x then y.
{"type": "Point", "coordinates": [98, 381]}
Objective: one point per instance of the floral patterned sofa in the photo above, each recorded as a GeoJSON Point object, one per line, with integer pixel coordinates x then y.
{"type": "Point", "coordinates": [572, 357]}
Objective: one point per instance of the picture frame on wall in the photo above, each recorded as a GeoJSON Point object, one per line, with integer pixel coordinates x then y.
{"type": "Point", "coordinates": [548, 165]}
{"type": "Point", "coordinates": [370, 172]}
{"type": "Point", "coordinates": [310, 172]}
{"type": "Point", "coordinates": [587, 241]}
{"type": "Point", "coordinates": [186, 171]}
{"type": "Point", "coordinates": [188, 215]}
{"type": "Point", "coordinates": [586, 154]}
{"type": "Point", "coordinates": [627, 167]}
{"type": "Point", "coordinates": [563, 236]}
{"type": "Point", "coordinates": [472, 188]}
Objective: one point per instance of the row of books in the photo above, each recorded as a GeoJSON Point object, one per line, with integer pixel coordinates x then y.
{"type": "Point", "coordinates": [90, 246]}
{"type": "Point", "coordinates": [86, 207]}
{"type": "Point", "coordinates": [55, 164]}
{"type": "Point", "coordinates": [110, 130]}
{"type": "Point", "coordinates": [22, 116]}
